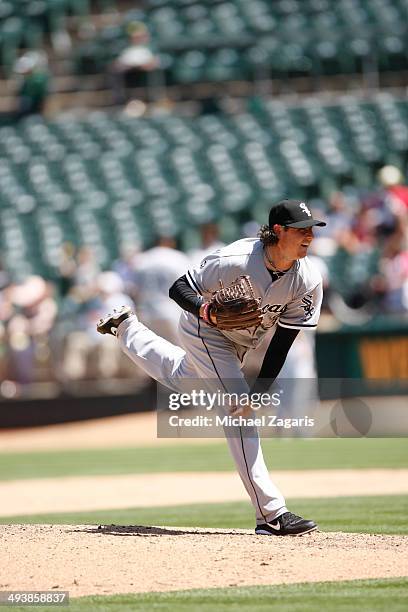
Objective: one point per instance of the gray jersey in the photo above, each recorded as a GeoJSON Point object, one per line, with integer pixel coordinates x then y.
{"type": "Point", "coordinates": [291, 301]}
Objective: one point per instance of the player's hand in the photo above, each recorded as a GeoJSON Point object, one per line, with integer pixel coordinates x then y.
{"type": "Point", "coordinates": [206, 314]}
{"type": "Point", "coordinates": [212, 316]}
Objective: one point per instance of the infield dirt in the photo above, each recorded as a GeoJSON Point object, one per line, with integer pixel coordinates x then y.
{"type": "Point", "coordinates": [89, 560]}
{"type": "Point", "coordinates": [86, 560]}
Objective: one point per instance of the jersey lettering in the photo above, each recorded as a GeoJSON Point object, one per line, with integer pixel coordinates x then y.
{"type": "Point", "coordinates": [271, 313]}
{"type": "Point", "coordinates": [280, 308]}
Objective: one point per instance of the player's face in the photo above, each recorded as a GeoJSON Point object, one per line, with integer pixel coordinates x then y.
{"type": "Point", "coordinates": [294, 242]}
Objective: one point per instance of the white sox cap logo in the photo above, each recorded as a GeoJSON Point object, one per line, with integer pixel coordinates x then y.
{"type": "Point", "coordinates": [305, 209]}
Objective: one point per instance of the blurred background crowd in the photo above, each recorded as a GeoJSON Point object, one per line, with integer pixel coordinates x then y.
{"type": "Point", "coordinates": [135, 137]}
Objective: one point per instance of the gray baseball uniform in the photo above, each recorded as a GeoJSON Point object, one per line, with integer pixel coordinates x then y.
{"type": "Point", "coordinates": [293, 300]}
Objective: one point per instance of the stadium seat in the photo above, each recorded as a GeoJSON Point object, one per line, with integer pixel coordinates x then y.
{"type": "Point", "coordinates": [108, 179]}
{"type": "Point", "coordinates": [235, 38]}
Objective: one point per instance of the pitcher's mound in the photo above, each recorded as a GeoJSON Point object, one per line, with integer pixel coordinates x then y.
{"type": "Point", "coordinates": [86, 559]}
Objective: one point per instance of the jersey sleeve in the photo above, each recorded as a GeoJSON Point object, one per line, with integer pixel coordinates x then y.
{"type": "Point", "coordinates": [205, 278]}
{"type": "Point", "coordinates": [304, 311]}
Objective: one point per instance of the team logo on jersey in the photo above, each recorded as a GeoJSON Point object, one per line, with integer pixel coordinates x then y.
{"type": "Point", "coordinates": [202, 264]}
{"type": "Point", "coordinates": [305, 209]}
{"type": "Point", "coordinates": [307, 305]}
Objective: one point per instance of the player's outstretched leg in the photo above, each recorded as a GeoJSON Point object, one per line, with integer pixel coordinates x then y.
{"type": "Point", "coordinates": [159, 358]}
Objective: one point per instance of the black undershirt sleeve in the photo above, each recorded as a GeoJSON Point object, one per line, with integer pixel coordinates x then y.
{"type": "Point", "coordinates": [185, 296]}
{"type": "Point", "coordinates": [274, 358]}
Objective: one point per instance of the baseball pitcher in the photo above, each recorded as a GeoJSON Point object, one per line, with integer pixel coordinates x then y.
{"type": "Point", "coordinates": [229, 303]}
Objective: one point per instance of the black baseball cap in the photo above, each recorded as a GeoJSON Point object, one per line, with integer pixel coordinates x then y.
{"type": "Point", "coordinates": [293, 213]}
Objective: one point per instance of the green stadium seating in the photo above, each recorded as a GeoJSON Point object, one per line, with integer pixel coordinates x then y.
{"type": "Point", "coordinates": [108, 180]}
{"type": "Point", "coordinates": [228, 39]}
{"type": "Point", "coordinates": [237, 39]}
{"type": "Point", "coordinates": [24, 23]}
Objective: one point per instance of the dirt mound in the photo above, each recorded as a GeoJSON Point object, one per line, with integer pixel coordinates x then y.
{"type": "Point", "coordinates": [121, 559]}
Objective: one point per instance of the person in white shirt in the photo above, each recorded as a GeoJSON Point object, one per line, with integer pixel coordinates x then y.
{"type": "Point", "coordinates": [155, 271]}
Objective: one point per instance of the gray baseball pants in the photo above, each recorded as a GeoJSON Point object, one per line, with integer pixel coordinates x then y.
{"type": "Point", "coordinates": [207, 355]}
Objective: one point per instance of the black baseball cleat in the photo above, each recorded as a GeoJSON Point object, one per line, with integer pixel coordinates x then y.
{"type": "Point", "coordinates": [286, 524]}
{"type": "Point", "coordinates": [110, 324]}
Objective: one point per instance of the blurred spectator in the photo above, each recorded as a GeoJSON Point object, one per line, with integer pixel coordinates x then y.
{"type": "Point", "coordinates": [339, 216]}
{"type": "Point", "coordinates": [369, 259]}
{"type": "Point", "coordinates": [125, 266]}
{"type": "Point", "coordinates": [210, 242]}
{"type": "Point", "coordinates": [134, 64]}
{"type": "Point", "coordinates": [29, 322]}
{"type": "Point", "coordinates": [66, 269]}
{"type": "Point", "coordinates": [5, 314]}
{"type": "Point", "coordinates": [85, 356]}
{"type": "Point", "coordinates": [111, 292]}
{"type": "Point", "coordinates": [298, 378]}
{"type": "Point", "coordinates": [391, 178]}
{"type": "Point", "coordinates": [112, 296]}
{"type": "Point", "coordinates": [156, 271]}
{"type": "Point", "coordinates": [383, 207]}
{"type": "Point", "coordinates": [364, 230]}
{"type": "Point", "coordinates": [339, 220]}
{"type": "Point", "coordinates": [395, 269]}
{"type": "Point", "coordinates": [33, 84]}
{"type": "Point", "coordinates": [391, 284]}
{"type": "Point", "coordinates": [86, 51]}
{"type": "Point", "coordinates": [86, 272]}
{"type": "Point", "coordinates": [4, 278]}
{"type": "Point", "coordinates": [324, 270]}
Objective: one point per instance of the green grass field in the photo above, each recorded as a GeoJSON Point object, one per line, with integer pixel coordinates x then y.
{"type": "Point", "coordinates": [361, 595]}
{"type": "Point", "coordinates": [279, 454]}
{"type": "Point", "coordinates": [380, 514]}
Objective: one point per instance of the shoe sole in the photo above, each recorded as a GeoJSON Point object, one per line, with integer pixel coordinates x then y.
{"type": "Point", "coordinates": [105, 326]}
{"type": "Point", "coordinates": [279, 534]}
